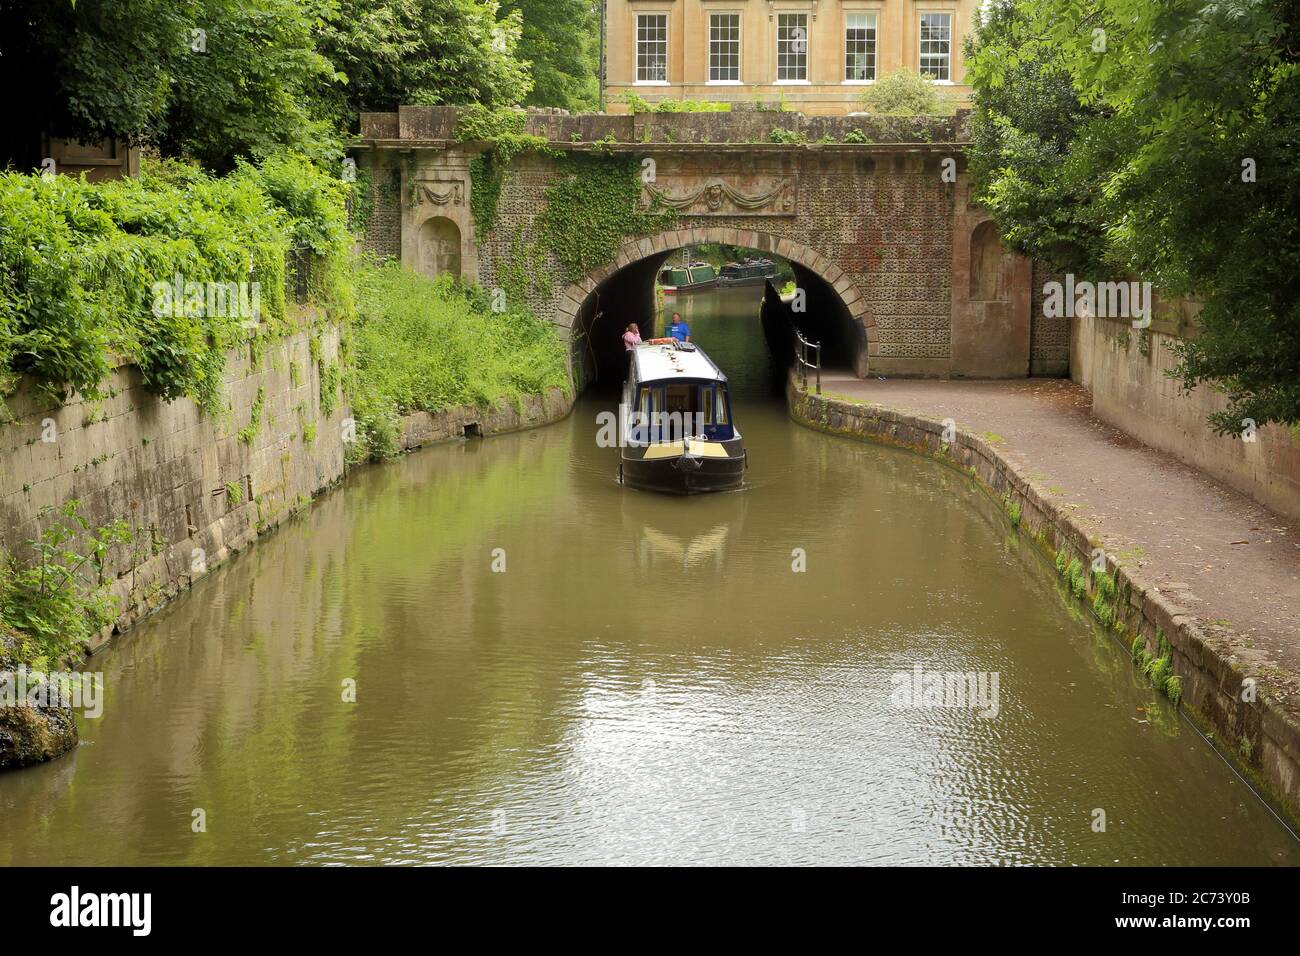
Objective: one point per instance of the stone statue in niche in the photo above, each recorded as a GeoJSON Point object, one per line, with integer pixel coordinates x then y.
{"type": "Point", "coordinates": [439, 247]}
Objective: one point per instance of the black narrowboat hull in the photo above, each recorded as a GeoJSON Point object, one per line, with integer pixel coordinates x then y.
{"type": "Point", "coordinates": [684, 475]}
{"type": "Point", "coordinates": [727, 282]}
{"type": "Point", "coordinates": [692, 287]}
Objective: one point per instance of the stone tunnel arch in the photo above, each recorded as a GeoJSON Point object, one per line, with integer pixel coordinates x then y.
{"type": "Point", "coordinates": [638, 262]}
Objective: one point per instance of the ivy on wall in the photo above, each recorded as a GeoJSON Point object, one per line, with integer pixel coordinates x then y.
{"type": "Point", "coordinates": [592, 209]}
{"type": "Point", "coordinates": [503, 129]}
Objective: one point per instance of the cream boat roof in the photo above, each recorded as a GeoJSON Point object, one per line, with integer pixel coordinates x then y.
{"type": "Point", "coordinates": [656, 363]}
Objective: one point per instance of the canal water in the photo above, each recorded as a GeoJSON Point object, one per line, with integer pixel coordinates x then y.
{"type": "Point", "coordinates": [641, 679]}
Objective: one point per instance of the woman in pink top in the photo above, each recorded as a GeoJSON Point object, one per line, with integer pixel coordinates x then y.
{"type": "Point", "coordinates": [631, 338]}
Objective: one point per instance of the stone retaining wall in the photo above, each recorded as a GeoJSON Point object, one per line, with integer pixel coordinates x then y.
{"type": "Point", "coordinates": [191, 489]}
{"type": "Point", "coordinates": [1261, 738]}
{"type": "Point", "coordinates": [427, 428]}
{"type": "Point", "coordinates": [1125, 369]}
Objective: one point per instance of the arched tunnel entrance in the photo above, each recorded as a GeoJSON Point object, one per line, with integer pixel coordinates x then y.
{"type": "Point", "coordinates": [626, 293]}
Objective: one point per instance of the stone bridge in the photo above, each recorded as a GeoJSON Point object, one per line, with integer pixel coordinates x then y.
{"type": "Point", "coordinates": [904, 276]}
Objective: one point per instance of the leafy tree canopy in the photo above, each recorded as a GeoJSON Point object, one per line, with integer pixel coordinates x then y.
{"type": "Point", "coordinates": [219, 80]}
{"type": "Point", "coordinates": [422, 52]}
{"type": "Point", "coordinates": [561, 40]}
{"type": "Point", "coordinates": [1157, 139]}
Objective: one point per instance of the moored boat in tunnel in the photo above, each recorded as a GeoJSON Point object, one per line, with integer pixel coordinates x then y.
{"type": "Point", "coordinates": [677, 431]}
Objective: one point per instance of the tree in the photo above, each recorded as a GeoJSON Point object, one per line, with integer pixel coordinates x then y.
{"type": "Point", "coordinates": [215, 79]}
{"type": "Point", "coordinates": [1023, 131]}
{"type": "Point", "coordinates": [89, 70]}
{"type": "Point", "coordinates": [904, 93]}
{"type": "Point", "coordinates": [244, 86]}
{"type": "Point", "coordinates": [421, 52]}
{"type": "Point", "coordinates": [561, 41]}
{"type": "Point", "coordinates": [1181, 167]}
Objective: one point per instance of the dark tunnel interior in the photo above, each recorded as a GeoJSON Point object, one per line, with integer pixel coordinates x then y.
{"type": "Point", "coordinates": [629, 296]}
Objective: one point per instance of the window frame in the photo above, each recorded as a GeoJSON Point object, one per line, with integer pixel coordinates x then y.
{"type": "Point", "coordinates": [875, 46]}
{"type": "Point", "coordinates": [804, 80]}
{"type": "Point", "coordinates": [921, 41]}
{"type": "Point", "coordinates": [636, 47]}
{"type": "Point", "coordinates": [739, 41]}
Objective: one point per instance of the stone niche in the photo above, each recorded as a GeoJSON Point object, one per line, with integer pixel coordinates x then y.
{"type": "Point", "coordinates": [991, 297]}
{"type": "Point", "coordinates": [437, 226]}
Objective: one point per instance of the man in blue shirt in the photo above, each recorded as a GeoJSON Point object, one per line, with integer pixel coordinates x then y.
{"type": "Point", "coordinates": [679, 329]}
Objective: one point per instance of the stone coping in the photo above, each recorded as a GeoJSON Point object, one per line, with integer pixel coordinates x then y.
{"type": "Point", "coordinates": [435, 126]}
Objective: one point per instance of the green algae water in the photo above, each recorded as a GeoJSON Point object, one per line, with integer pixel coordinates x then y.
{"type": "Point", "coordinates": [550, 668]}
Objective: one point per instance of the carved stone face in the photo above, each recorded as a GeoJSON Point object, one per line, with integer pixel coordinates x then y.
{"type": "Point", "coordinates": [713, 196]}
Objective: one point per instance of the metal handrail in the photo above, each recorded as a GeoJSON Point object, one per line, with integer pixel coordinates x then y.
{"type": "Point", "coordinates": [801, 349]}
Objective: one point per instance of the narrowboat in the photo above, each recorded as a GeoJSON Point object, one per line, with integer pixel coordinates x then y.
{"type": "Point", "coordinates": [677, 431]}
{"type": "Point", "coordinates": [693, 278]}
{"type": "Point", "coordinates": [749, 271]}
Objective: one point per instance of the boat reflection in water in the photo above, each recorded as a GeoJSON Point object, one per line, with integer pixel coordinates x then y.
{"type": "Point", "coordinates": [677, 432]}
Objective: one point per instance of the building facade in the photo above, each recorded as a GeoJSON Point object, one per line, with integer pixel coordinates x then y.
{"type": "Point", "coordinates": [816, 56]}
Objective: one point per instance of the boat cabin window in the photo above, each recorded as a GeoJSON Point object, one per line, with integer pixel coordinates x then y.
{"type": "Point", "coordinates": [683, 399]}
{"type": "Point", "coordinates": [664, 412]}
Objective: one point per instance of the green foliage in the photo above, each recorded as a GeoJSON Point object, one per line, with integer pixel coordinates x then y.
{"type": "Point", "coordinates": [315, 204]}
{"type": "Point", "coordinates": [129, 68]}
{"type": "Point", "coordinates": [1158, 668]}
{"type": "Point", "coordinates": [638, 104]}
{"type": "Point", "coordinates": [421, 52]}
{"type": "Point", "coordinates": [1013, 512]}
{"type": "Point", "coordinates": [790, 136]}
{"type": "Point", "coordinates": [1078, 582]}
{"type": "Point", "coordinates": [1137, 159]}
{"type": "Point", "coordinates": [273, 75]}
{"type": "Point", "coordinates": [81, 267]}
{"type": "Point", "coordinates": [1022, 130]}
{"type": "Point", "coordinates": [429, 345]}
{"type": "Point", "coordinates": [248, 94]}
{"type": "Point", "coordinates": [234, 494]}
{"type": "Point", "coordinates": [58, 601]}
{"type": "Point", "coordinates": [561, 42]}
{"type": "Point", "coordinates": [856, 136]}
{"type": "Point", "coordinates": [1062, 559]}
{"type": "Point", "coordinates": [1174, 688]}
{"type": "Point", "coordinates": [591, 210]}
{"type": "Point", "coordinates": [1103, 609]}
{"type": "Point", "coordinates": [478, 123]}
{"type": "Point", "coordinates": [249, 431]}
{"type": "Point", "coordinates": [904, 93]}
{"type": "Point", "coordinates": [503, 129]}
{"type": "Point", "coordinates": [330, 379]}
{"type": "Point", "coordinates": [1104, 605]}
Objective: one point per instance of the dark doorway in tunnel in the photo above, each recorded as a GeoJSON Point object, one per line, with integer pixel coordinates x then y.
{"type": "Point", "coordinates": [630, 296]}
{"type": "Point", "coordinates": [826, 319]}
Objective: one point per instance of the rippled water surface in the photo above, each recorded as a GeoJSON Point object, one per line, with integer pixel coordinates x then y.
{"type": "Point", "coordinates": [648, 680]}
